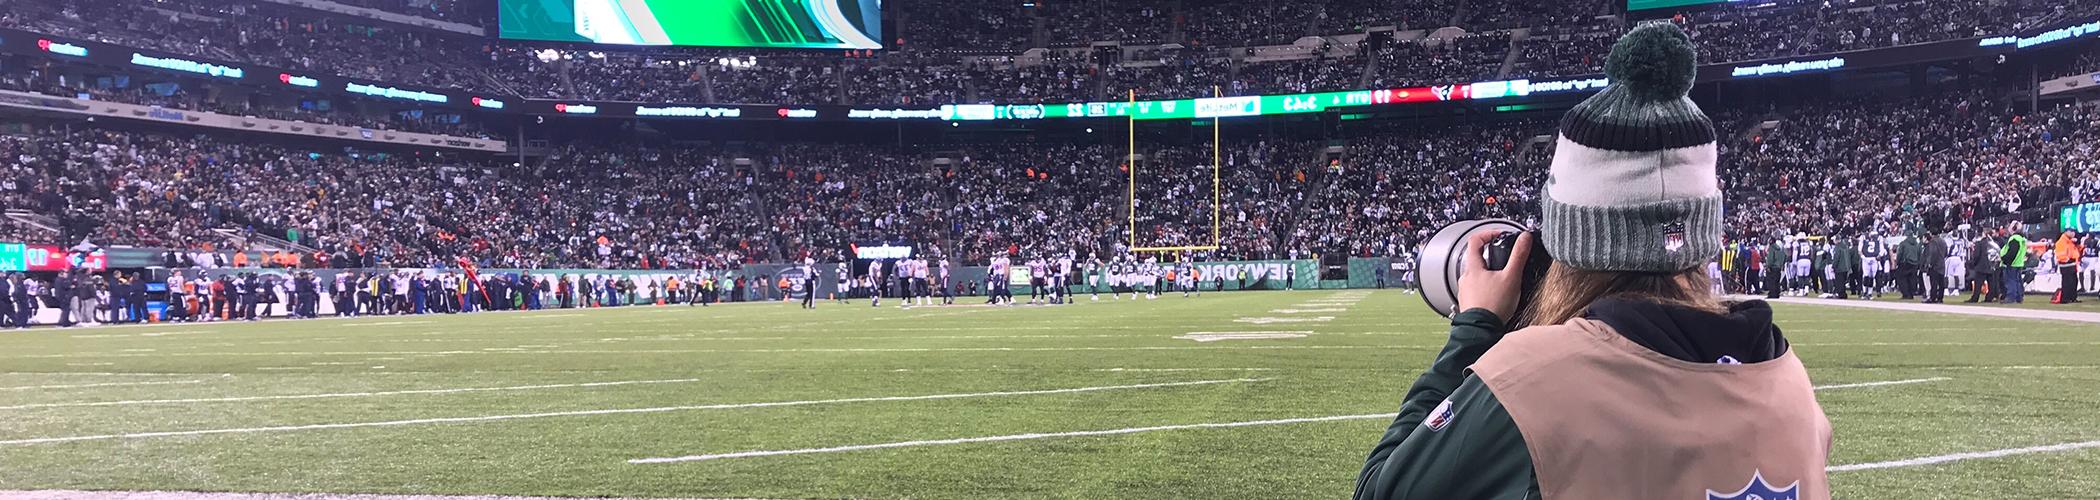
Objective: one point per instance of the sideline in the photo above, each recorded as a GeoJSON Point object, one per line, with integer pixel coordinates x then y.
{"type": "Point", "coordinates": [1999, 312]}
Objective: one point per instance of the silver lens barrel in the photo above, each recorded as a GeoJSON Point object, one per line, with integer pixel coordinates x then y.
{"type": "Point", "coordinates": [1443, 257]}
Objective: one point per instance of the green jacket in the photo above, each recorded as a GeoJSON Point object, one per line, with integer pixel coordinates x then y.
{"type": "Point", "coordinates": [1479, 456]}
{"type": "Point", "coordinates": [1848, 258]}
{"type": "Point", "coordinates": [2016, 251]}
{"type": "Point", "coordinates": [1910, 252]}
{"type": "Point", "coordinates": [1776, 257]}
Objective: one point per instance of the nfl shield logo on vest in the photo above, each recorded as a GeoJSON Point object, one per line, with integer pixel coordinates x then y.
{"type": "Point", "coordinates": [1440, 417]}
{"type": "Point", "coordinates": [1758, 489]}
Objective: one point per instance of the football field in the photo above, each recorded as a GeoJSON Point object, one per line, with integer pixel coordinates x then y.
{"type": "Point", "coordinates": [1250, 395]}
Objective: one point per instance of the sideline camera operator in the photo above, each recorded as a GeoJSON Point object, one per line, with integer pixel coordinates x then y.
{"type": "Point", "coordinates": [1636, 382]}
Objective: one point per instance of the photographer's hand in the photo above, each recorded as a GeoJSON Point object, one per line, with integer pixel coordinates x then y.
{"type": "Point", "coordinates": [1495, 291]}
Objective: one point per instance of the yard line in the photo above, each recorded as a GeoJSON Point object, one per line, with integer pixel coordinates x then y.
{"type": "Point", "coordinates": [349, 394]}
{"type": "Point", "coordinates": [208, 495]}
{"type": "Point", "coordinates": [1132, 430]}
{"type": "Point", "coordinates": [1009, 437]}
{"type": "Point", "coordinates": [1889, 344]}
{"type": "Point", "coordinates": [731, 351]}
{"type": "Point", "coordinates": [1881, 383]}
{"type": "Point", "coordinates": [105, 384]}
{"type": "Point", "coordinates": [1956, 457]}
{"type": "Point", "coordinates": [619, 411]}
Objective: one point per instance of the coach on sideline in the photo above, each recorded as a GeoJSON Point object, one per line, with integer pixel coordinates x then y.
{"type": "Point", "coordinates": [1639, 382]}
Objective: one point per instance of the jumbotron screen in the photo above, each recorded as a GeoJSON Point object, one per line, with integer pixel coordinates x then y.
{"type": "Point", "coordinates": [794, 24]}
{"type": "Point", "coordinates": [1632, 5]}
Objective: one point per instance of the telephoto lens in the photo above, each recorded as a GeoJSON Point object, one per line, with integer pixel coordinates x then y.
{"type": "Point", "coordinates": [1443, 257]}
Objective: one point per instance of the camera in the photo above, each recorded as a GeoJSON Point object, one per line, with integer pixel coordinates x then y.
{"type": "Point", "coordinates": [1443, 257]}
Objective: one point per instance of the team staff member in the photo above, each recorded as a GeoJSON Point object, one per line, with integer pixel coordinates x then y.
{"type": "Point", "coordinates": [1637, 383]}
{"type": "Point", "coordinates": [1983, 270]}
{"type": "Point", "coordinates": [2012, 262]}
{"type": "Point", "coordinates": [1775, 260]}
{"type": "Point", "coordinates": [2068, 252]}
{"type": "Point", "coordinates": [2091, 263]}
{"type": "Point", "coordinates": [1935, 268]}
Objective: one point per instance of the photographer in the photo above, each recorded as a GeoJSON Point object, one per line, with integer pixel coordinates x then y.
{"type": "Point", "coordinates": [1635, 382]}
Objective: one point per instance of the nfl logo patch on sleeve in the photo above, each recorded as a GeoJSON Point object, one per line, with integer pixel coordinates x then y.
{"type": "Point", "coordinates": [1440, 417]}
{"type": "Point", "coordinates": [1758, 489]}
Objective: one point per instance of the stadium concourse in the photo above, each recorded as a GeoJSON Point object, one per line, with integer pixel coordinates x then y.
{"type": "Point", "coordinates": [508, 279]}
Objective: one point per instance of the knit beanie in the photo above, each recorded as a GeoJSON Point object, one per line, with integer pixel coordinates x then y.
{"type": "Point", "coordinates": [1633, 186]}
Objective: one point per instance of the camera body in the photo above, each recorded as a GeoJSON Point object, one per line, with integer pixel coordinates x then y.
{"type": "Point", "coordinates": [1443, 258]}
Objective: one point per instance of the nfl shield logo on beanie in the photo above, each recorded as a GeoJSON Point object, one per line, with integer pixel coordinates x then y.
{"type": "Point", "coordinates": [1634, 167]}
{"type": "Point", "coordinates": [1758, 489]}
{"type": "Point", "coordinates": [1673, 236]}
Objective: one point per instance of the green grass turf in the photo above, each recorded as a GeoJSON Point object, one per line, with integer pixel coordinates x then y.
{"type": "Point", "coordinates": [2038, 301]}
{"type": "Point", "coordinates": [2012, 384]}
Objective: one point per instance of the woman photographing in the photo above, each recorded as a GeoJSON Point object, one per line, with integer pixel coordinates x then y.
{"type": "Point", "coordinates": [1634, 381]}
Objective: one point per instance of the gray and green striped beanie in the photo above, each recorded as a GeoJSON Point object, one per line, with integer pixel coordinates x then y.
{"type": "Point", "coordinates": [1633, 186]}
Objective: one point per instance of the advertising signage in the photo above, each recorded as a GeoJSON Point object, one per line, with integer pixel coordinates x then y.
{"type": "Point", "coordinates": [22, 257]}
{"type": "Point", "coordinates": [36, 44]}
{"type": "Point", "coordinates": [1209, 107]}
{"type": "Point", "coordinates": [743, 112]}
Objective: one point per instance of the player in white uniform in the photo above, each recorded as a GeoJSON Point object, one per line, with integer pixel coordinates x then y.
{"type": "Point", "coordinates": [1957, 272]}
{"type": "Point", "coordinates": [999, 277]}
{"type": "Point", "coordinates": [1804, 263]}
{"type": "Point", "coordinates": [1872, 262]}
{"type": "Point", "coordinates": [875, 284]}
{"type": "Point", "coordinates": [1092, 270]}
{"type": "Point", "coordinates": [1713, 273]}
{"type": "Point", "coordinates": [1064, 279]}
{"type": "Point", "coordinates": [919, 272]}
{"type": "Point", "coordinates": [904, 282]}
{"type": "Point", "coordinates": [947, 287]}
{"type": "Point", "coordinates": [1037, 281]}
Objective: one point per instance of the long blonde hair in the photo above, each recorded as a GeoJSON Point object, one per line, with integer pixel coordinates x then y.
{"type": "Point", "coordinates": [1566, 291]}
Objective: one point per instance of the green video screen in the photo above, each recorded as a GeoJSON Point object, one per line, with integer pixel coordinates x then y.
{"type": "Point", "coordinates": [797, 24]}
{"type": "Point", "coordinates": [1665, 4]}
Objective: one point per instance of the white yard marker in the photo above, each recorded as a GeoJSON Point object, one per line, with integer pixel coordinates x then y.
{"type": "Point", "coordinates": [1956, 457]}
{"type": "Point", "coordinates": [349, 394]}
{"type": "Point", "coordinates": [1882, 383]}
{"type": "Point", "coordinates": [1265, 320]}
{"type": "Point", "coordinates": [175, 332]}
{"type": "Point", "coordinates": [1217, 336]}
{"type": "Point", "coordinates": [386, 323]}
{"type": "Point", "coordinates": [1180, 369]}
{"type": "Point", "coordinates": [620, 411]}
{"type": "Point", "coordinates": [105, 384]}
{"type": "Point", "coordinates": [1314, 310]}
{"type": "Point", "coordinates": [1010, 437]}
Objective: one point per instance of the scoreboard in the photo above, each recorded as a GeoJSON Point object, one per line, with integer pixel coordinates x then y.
{"type": "Point", "coordinates": [2084, 218]}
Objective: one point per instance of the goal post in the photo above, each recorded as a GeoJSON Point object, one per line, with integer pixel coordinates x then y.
{"type": "Point", "coordinates": [1217, 182]}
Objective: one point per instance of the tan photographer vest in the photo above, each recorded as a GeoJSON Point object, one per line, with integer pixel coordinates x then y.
{"type": "Point", "coordinates": [1608, 419]}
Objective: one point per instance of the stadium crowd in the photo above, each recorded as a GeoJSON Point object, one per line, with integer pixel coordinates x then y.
{"type": "Point", "coordinates": [1944, 159]}
{"type": "Point", "coordinates": [1846, 169]}
{"type": "Point", "coordinates": [947, 54]}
